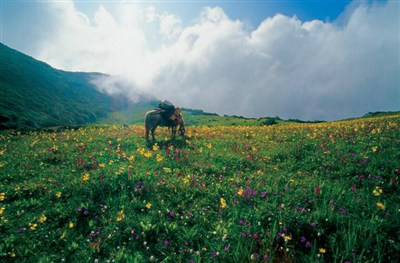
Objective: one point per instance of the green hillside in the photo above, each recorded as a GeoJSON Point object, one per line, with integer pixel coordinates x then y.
{"type": "Point", "coordinates": [33, 94]}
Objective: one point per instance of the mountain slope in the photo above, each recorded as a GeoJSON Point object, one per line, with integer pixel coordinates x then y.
{"type": "Point", "coordinates": [33, 94]}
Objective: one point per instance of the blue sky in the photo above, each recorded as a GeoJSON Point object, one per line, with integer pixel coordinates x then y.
{"type": "Point", "coordinates": [252, 11]}
{"type": "Point", "coordinates": [309, 60]}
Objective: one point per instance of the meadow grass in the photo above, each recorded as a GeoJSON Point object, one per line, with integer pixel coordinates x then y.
{"type": "Point", "coordinates": [325, 192]}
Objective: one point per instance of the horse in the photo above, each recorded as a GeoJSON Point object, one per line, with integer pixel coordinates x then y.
{"type": "Point", "coordinates": [154, 118]}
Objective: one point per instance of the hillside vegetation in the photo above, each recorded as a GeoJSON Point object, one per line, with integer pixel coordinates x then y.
{"type": "Point", "coordinates": [34, 95]}
{"type": "Point", "coordinates": [326, 192]}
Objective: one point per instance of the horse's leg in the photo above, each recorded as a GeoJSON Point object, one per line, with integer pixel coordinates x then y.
{"type": "Point", "coordinates": [173, 132]}
{"type": "Point", "coordinates": [152, 133]}
{"type": "Point", "coordinates": [147, 134]}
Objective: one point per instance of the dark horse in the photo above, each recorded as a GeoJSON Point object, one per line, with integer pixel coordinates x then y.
{"type": "Point", "coordinates": [154, 118]}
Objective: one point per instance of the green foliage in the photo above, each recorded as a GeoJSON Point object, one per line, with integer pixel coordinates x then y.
{"type": "Point", "coordinates": [36, 95]}
{"type": "Point", "coordinates": [283, 193]}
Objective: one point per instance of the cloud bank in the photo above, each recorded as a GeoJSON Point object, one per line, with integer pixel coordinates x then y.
{"type": "Point", "coordinates": [283, 67]}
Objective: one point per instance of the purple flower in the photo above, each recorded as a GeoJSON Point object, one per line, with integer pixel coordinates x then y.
{"type": "Point", "coordinates": [254, 256]}
{"type": "Point", "coordinates": [308, 244]}
{"type": "Point", "coordinates": [342, 211]}
{"type": "Point", "coordinates": [171, 214]}
{"type": "Point", "coordinates": [303, 239]}
{"type": "Point", "coordinates": [86, 213]}
{"type": "Point", "coordinates": [263, 194]}
{"type": "Point", "coordinates": [240, 222]}
{"type": "Point", "coordinates": [166, 243]}
{"type": "Point", "coordinates": [255, 235]}
{"type": "Point", "coordinates": [213, 254]}
{"type": "Point", "coordinates": [226, 247]}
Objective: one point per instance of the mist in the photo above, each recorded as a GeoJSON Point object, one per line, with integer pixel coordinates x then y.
{"type": "Point", "coordinates": [282, 67]}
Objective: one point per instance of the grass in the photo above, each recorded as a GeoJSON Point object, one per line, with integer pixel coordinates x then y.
{"type": "Point", "coordinates": [326, 192]}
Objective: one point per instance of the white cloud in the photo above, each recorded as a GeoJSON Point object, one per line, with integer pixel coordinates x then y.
{"type": "Point", "coordinates": [284, 67]}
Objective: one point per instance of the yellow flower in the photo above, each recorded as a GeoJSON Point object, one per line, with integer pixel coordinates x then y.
{"type": "Point", "coordinates": [322, 250]}
{"type": "Point", "coordinates": [42, 219]}
{"type": "Point", "coordinates": [223, 202]}
{"type": "Point", "coordinates": [159, 158]}
{"type": "Point", "coordinates": [380, 205]}
{"type": "Point", "coordinates": [167, 170]}
{"type": "Point", "coordinates": [2, 195]}
{"type": "Point", "coordinates": [85, 177]}
{"type": "Point", "coordinates": [240, 192]}
{"type": "Point", "coordinates": [102, 165]}
{"type": "Point", "coordinates": [186, 179]}
{"type": "Point", "coordinates": [377, 191]}
{"type": "Point", "coordinates": [148, 205]}
{"type": "Point", "coordinates": [2, 210]}
{"type": "Point", "coordinates": [287, 238]}
{"type": "Point", "coordinates": [32, 226]}
{"type": "Point", "coordinates": [374, 149]}
{"type": "Point", "coordinates": [71, 225]}
{"type": "Point", "coordinates": [155, 147]}
{"type": "Point", "coordinates": [131, 158]}
{"type": "Point", "coordinates": [121, 216]}
{"type": "Point", "coordinates": [58, 194]}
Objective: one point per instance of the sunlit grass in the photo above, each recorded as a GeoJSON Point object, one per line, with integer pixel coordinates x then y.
{"type": "Point", "coordinates": [296, 192]}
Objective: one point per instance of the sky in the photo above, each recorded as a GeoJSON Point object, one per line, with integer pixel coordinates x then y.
{"type": "Point", "coordinates": [310, 60]}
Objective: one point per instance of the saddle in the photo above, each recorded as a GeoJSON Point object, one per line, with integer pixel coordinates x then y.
{"type": "Point", "coordinates": [167, 110]}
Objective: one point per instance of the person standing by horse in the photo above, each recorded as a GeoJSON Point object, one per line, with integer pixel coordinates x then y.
{"type": "Point", "coordinates": [165, 115]}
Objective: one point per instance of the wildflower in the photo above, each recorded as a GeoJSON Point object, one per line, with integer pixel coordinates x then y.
{"type": "Point", "coordinates": [159, 158]}
{"type": "Point", "coordinates": [155, 147]}
{"type": "Point", "coordinates": [380, 205]}
{"type": "Point", "coordinates": [166, 243]}
{"type": "Point", "coordinates": [377, 191]}
{"type": "Point", "coordinates": [2, 196]}
{"type": "Point", "coordinates": [240, 192]}
{"type": "Point", "coordinates": [58, 194]}
{"type": "Point", "coordinates": [287, 238]}
{"type": "Point", "coordinates": [186, 179]}
{"type": "Point", "coordinates": [102, 165]}
{"type": "Point", "coordinates": [374, 149]}
{"type": "Point", "coordinates": [85, 177]}
{"type": "Point", "coordinates": [42, 219]}
{"type": "Point", "coordinates": [317, 190]}
{"type": "Point", "coordinates": [32, 226]}
{"type": "Point", "coordinates": [148, 205]}
{"type": "Point", "coordinates": [342, 211]}
{"type": "Point", "coordinates": [71, 225]}
{"type": "Point", "coordinates": [121, 216]}
{"type": "Point", "coordinates": [322, 250]}
{"type": "Point", "coordinates": [254, 256]}
{"type": "Point", "coordinates": [223, 202]}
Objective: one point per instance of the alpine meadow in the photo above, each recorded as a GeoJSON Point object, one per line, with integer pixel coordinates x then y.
{"type": "Point", "coordinates": [326, 192]}
{"type": "Point", "coordinates": [196, 131]}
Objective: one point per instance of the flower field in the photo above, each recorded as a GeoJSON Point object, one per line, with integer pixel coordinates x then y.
{"type": "Point", "coordinates": [325, 192]}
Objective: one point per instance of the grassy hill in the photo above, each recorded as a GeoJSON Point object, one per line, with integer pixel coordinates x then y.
{"type": "Point", "coordinates": [33, 94]}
